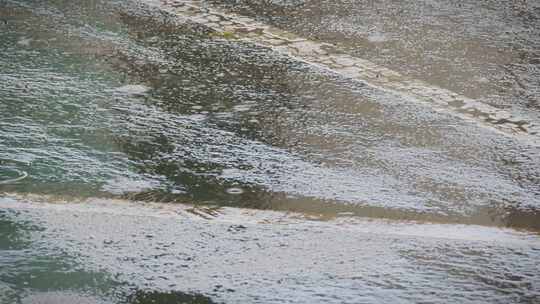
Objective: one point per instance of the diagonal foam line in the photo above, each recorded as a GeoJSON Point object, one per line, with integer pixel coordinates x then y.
{"type": "Point", "coordinates": [327, 56]}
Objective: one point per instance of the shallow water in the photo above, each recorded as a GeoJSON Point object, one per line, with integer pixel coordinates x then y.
{"type": "Point", "coordinates": [138, 251]}
{"type": "Point", "coordinates": [166, 112]}
{"type": "Point", "coordinates": [486, 50]}
{"type": "Point", "coordinates": [124, 100]}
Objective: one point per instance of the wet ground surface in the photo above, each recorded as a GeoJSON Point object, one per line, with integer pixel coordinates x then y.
{"type": "Point", "coordinates": [142, 102]}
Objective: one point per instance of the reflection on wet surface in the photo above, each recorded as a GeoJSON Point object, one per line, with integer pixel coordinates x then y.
{"type": "Point", "coordinates": [118, 99]}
